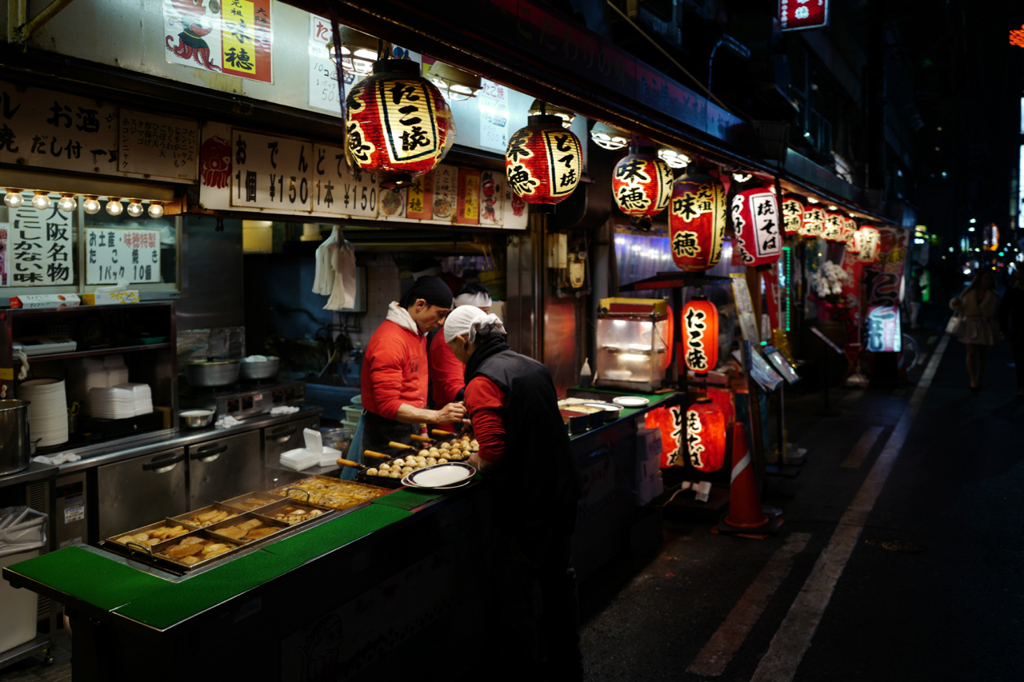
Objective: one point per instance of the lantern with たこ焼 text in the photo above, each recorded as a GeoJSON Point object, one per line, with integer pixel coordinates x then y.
{"type": "Point", "coordinates": [543, 162]}
{"type": "Point", "coordinates": [757, 223]}
{"type": "Point", "coordinates": [813, 222]}
{"type": "Point", "coordinates": [700, 335]}
{"type": "Point", "coordinates": [705, 435]}
{"type": "Point", "coordinates": [696, 221]}
{"type": "Point", "coordinates": [642, 187]}
{"type": "Point", "coordinates": [868, 241]}
{"type": "Point", "coordinates": [398, 125]}
{"type": "Point", "coordinates": [792, 215]}
{"type": "Point", "coordinates": [833, 229]}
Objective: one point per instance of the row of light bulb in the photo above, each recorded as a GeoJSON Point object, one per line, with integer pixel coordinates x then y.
{"type": "Point", "coordinates": [91, 204]}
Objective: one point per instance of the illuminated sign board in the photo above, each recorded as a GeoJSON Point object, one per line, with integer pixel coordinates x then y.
{"type": "Point", "coordinates": [796, 15]}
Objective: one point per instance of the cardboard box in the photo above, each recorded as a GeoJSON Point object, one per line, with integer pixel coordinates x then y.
{"type": "Point", "coordinates": [112, 298]}
{"type": "Point", "coordinates": [45, 301]}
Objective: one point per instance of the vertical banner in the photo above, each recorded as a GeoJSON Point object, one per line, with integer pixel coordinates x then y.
{"type": "Point", "coordinates": [492, 194]}
{"type": "Point", "coordinates": [233, 37]}
{"type": "Point", "coordinates": [770, 277]}
{"type": "Point", "coordinates": [324, 92]}
{"type": "Point", "coordinates": [882, 291]}
{"type": "Point", "coordinates": [40, 247]}
{"type": "Point", "coordinates": [446, 192]}
{"type": "Point", "coordinates": [493, 102]}
{"type": "Point", "coordinates": [3, 254]}
{"type": "Point", "coordinates": [744, 307]}
{"type": "Point", "coordinates": [852, 294]}
{"type": "Point", "coordinates": [469, 197]}
{"type": "Point", "coordinates": [421, 198]}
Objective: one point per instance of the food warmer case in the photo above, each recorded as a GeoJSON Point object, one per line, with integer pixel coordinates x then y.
{"type": "Point", "coordinates": [634, 343]}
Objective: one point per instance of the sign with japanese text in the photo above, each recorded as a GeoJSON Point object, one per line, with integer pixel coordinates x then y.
{"type": "Point", "coordinates": [795, 15]}
{"type": "Point", "coordinates": [755, 216]}
{"type": "Point", "coordinates": [469, 197]}
{"type": "Point", "coordinates": [324, 93]}
{"type": "Point", "coordinates": [114, 256]}
{"type": "Point", "coordinates": [39, 245]}
{"type": "Point", "coordinates": [53, 130]}
{"type": "Point", "coordinates": [492, 198]}
{"type": "Point", "coordinates": [421, 197]}
{"type": "Point", "coordinates": [271, 172]}
{"type": "Point", "coordinates": [232, 37]}
{"type": "Point", "coordinates": [3, 254]}
{"type": "Point", "coordinates": [493, 102]}
{"type": "Point", "coordinates": [339, 190]}
{"type": "Point", "coordinates": [158, 146]}
{"type": "Point", "coordinates": [744, 307]}
{"type": "Point", "coordinates": [882, 291]}
{"type": "Point", "coordinates": [446, 192]}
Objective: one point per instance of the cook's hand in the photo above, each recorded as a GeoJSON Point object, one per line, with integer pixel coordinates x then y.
{"type": "Point", "coordinates": [477, 463]}
{"type": "Point", "coordinates": [452, 412]}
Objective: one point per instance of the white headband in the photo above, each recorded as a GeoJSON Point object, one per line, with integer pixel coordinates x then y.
{"type": "Point", "coordinates": [479, 300]}
{"type": "Point", "coordinates": [471, 322]}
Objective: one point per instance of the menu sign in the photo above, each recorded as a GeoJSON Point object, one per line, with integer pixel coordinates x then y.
{"type": "Point", "coordinates": [158, 146]}
{"type": "Point", "coordinates": [324, 93]}
{"type": "Point", "coordinates": [114, 256]}
{"type": "Point", "coordinates": [271, 172]}
{"type": "Point", "coordinates": [339, 190]}
{"type": "Point", "coordinates": [39, 249]}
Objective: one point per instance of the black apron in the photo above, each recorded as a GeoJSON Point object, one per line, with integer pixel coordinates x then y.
{"type": "Point", "coordinates": [379, 431]}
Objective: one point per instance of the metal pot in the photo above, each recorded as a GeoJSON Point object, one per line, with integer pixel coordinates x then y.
{"type": "Point", "coordinates": [257, 371]}
{"type": "Point", "coordinates": [210, 373]}
{"type": "Point", "coordinates": [15, 445]}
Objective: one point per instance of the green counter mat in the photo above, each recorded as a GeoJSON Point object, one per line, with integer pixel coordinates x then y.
{"type": "Point", "coordinates": [407, 498]}
{"type": "Point", "coordinates": [94, 579]}
{"type": "Point", "coordinates": [204, 591]}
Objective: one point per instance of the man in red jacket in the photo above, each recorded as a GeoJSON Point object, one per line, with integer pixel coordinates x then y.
{"type": "Point", "coordinates": [394, 380]}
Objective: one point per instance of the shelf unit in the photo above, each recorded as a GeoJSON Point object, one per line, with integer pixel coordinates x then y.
{"type": "Point", "coordinates": [98, 331]}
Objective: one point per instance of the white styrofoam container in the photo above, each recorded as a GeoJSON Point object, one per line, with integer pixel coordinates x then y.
{"type": "Point", "coordinates": [19, 607]}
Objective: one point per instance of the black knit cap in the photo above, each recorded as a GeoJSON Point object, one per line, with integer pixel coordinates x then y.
{"type": "Point", "coordinates": [433, 290]}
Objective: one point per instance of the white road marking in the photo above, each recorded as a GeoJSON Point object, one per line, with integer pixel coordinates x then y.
{"type": "Point", "coordinates": [862, 448]}
{"type": "Point", "coordinates": [718, 652]}
{"type": "Point", "coordinates": [790, 643]}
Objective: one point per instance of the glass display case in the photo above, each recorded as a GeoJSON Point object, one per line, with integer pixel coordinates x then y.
{"type": "Point", "coordinates": [634, 342]}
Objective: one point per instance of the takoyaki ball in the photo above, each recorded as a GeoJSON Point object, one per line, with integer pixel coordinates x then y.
{"type": "Point", "coordinates": [442, 461]}
{"type": "Point", "coordinates": [431, 461]}
{"type": "Point", "coordinates": [395, 473]}
{"type": "Point", "coordinates": [385, 467]}
{"type": "Point", "coordinates": [433, 452]}
{"type": "Point", "coordinates": [398, 462]}
{"type": "Point", "coordinates": [423, 453]}
{"type": "Point", "coordinates": [446, 446]}
{"type": "Point", "coordinates": [406, 471]}
{"type": "Point", "coordinates": [371, 472]}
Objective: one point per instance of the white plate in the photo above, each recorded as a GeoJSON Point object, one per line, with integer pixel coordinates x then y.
{"type": "Point", "coordinates": [440, 475]}
{"type": "Point", "coordinates": [441, 487]}
{"type": "Point", "coordinates": [605, 406]}
{"type": "Point", "coordinates": [630, 401]}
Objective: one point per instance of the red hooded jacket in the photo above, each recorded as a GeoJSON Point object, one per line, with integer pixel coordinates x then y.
{"type": "Point", "coordinates": [395, 366]}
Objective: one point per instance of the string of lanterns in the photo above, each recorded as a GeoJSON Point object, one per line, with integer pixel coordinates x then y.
{"type": "Point", "coordinates": [41, 201]}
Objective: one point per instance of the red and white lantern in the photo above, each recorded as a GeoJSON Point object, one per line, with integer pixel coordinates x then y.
{"type": "Point", "coordinates": [813, 222]}
{"type": "Point", "coordinates": [642, 186]}
{"type": "Point", "coordinates": [833, 230]}
{"type": "Point", "coordinates": [700, 335]}
{"type": "Point", "coordinates": [756, 220]}
{"type": "Point", "coordinates": [792, 215]}
{"type": "Point", "coordinates": [705, 435]}
{"type": "Point", "coordinates": [697, 222]}
{"type": "Point", "coordinates": [398, 124]}
{"type": "Point", "coordinates": [867, 240]}
{"type": "Point", "coordinates": [543, 162]}
{"type": "Point", "coordinates": [849, 229]}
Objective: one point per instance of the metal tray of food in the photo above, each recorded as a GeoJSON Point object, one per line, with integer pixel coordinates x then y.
{"type": "Point", "coordinates": [250, 501]}
{"type": "Point", "coordinates": [595, 416]}
{"type": "Point", "coordinates": [186, 558]}
{"type": "Point", "coordinates": [248, 528]}
{"type": "Point", "coordinates": [330, 492]}
{"type": "Point", "coordinates": [212, 515]}
{"type": "Point", "coordinates": [146, 535]}
{"type": "Point", "coordinates": [293, 512]}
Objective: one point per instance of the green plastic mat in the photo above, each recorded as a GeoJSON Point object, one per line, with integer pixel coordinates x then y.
{"type": "Point", "coordinates": [407, 498]}
{"type": "Point", "coordinates": [164, 609]}
{"type": "Point", "coordinates": [94, 579]}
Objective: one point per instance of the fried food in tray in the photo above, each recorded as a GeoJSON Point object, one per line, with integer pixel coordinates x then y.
{"type": "Point", "coordinates": [153, 534]}
{"type": "Point", "coordinates": [292, 513]}
{"type": "Point", "coordinates": [207, 516]}
{"type": "Point", "coordinates": [250, 501]}
{"type": "Point", "coordinates": [194, 548]}
{"type": "Point", "coordinates": [247, 528]}
{"type": "Point", "coordinates": [330, 492]}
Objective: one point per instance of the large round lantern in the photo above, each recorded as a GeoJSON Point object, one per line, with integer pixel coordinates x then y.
{"type": "Point", "coordinates": [833, 230]}
{"type": "Point", "coordinates": [705, 435]}
{"type": "Point", "coordinates": [756, 221]}
{"type": "Point", "coordinates": [700, 335]}
{"type": "Point", "coordinates": [697, 221]}
{"type": "Point", "coordinates": [543, 162]}
{"type": "Point", "coordinates": [867, 240]}
{"type": "Point", "coordinates": [813, 223]}
{"type": "Point", "coordinates": [792, 215]}
{"type": "Point", "coordinates": [642, 186]}
{"type": "Point", "coordinates": [398, 124]}
{"type": "Point", "coordinates": [849, 229]}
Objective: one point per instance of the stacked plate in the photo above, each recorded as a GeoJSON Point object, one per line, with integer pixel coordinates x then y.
{"type": "Point", "coordinates": [47, 411]}
{"type": "Point", "coordinates": [441, 476]}
{"type": "Point", "coordinates": [121, 401]}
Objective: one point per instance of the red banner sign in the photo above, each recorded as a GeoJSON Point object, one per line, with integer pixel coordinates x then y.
{"type": "Point", "coordinates": [797, 15]}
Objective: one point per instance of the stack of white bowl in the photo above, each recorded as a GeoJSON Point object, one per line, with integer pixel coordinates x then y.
{"type": "Point", "coordinates": [121, 401]}
{"type": "Point", "coordinates": [47, 411]}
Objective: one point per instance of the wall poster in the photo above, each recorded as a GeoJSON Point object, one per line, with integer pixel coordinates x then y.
{"type": "Point", "coordinates": [40, 251]}
{"type": "Point", "coordinates": [113, 256]}
{"type": "Point", "coordinates": [233, 37]}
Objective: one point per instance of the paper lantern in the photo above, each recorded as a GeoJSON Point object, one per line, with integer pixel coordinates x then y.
{"type": "Point", "coordinates": [813, 223]}
{"type": "Point", "coordinates": [792, 215]}
{"type": "Point", "coordinates": [543, 162]}
{"type": "Point", "coordinates": [700, 335]}
{"type": "Point", "coordinates": [642, 186]}
{"type": "Point", "coordinates": [697, 221]}
{"type": "Point", "coordinates": [398, 124]}
{"type": "Point", "coordinates": [868, 241]}
{"type": "Point", "coordinates": [756, 221]}
{"type": "Point", "coordinates": [705, 435]}
{"type": "Point", "coordinates": [833, 230]}
{"type": "Point", "coordinates": [849, 229]}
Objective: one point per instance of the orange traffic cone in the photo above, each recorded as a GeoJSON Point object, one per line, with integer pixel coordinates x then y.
{"type": "Point", "coordinates": [745, 515]}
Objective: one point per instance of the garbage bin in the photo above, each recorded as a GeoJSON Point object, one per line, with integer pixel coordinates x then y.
{"type": "Point", "coordinates": [22, 537]}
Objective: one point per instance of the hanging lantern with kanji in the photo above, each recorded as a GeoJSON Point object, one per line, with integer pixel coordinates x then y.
{"type": "Point", "coordinates": [867, 240]}
{"type": "Point", "coordinates": [705, 435]}
{"type": "Point", "coordinates": [543, 162]}
{"type": "Point", "coordinates": [792, 215]}
{"type": "Point", "coordinates": [398, 124]}
{"type": "Point", "coordinates": [833, 230]}
{"type": "Point", "coordinates": [700, 335]}
{"type": "Point", "coordinates": [755, 219]}
{"type": "Point", "coordinates": [813, 223]}
{"type": "Point", "coordinates": [696, 221]}
{"type": "Point", "coordinates": [849, 229]}
{"type": "Point", "coordinates": [642, 186]}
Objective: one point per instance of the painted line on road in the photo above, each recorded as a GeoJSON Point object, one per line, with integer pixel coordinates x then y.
{"type": "Point", "coordinates": [862, 448]}
{"type": "Point", "coordinates": [794, 636]}
{"type": "Point", "coordinates": [718, 652]}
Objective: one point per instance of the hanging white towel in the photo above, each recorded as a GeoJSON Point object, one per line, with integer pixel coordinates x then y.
{"type": "Point", "coordinates": [323, 281]}
{"type": "Point", "coordinates": [347, 269]}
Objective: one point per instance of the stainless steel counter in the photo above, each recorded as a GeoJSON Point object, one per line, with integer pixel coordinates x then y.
{"type": "Point", "coordinates": [35, 472]}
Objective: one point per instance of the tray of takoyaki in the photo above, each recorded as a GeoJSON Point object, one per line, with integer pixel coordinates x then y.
{"type": "Point", "coordinates": [334, 493]}
{"type": "Point", "coordinates": [435, 451]}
